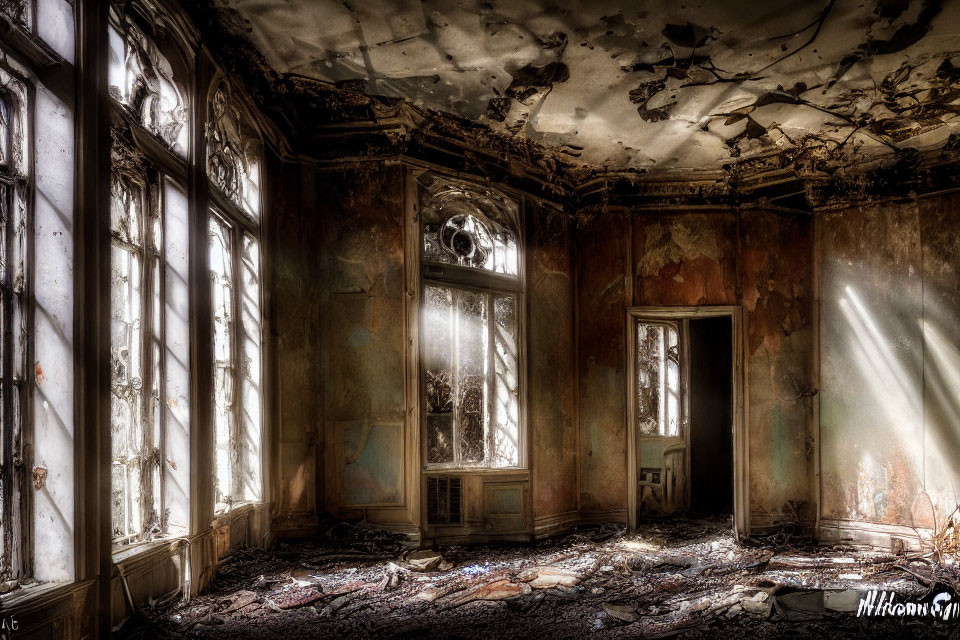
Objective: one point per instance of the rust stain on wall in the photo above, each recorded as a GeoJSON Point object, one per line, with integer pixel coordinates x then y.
{"type": "Point", "coordinates": [552, 408]}
{"type": "Point", "coordinates": [363, 366]}
{"type": "Point", "coordinates": [601, 265]}
{"type": "Point", "coordinates": [684, 259]}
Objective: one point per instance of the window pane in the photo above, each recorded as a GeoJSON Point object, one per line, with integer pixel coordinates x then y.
{"type": "Point", "coordinates": [506, 445]}
{"type": "Point", "coordinates": [471, 382]}
{"type": "Point", "coordinates": [221, 280]}
{"type": "Point", "coordinates": [5, 435]}
{"type": "Point", "coordinates": [141, 79]}
{"type": "Point", "coordinates": [438, 372]}
{"type": "Point", "coordinates": [650, 345]}
{"type": "Point", "coordinates": [657, 379]}
{"type": "Point", "coordinates": [672, 383]}
{"type": "Point", "coordinates": [468, 226]}
{"type": "Point", "coordinates": [250, 444]}
{"type": "Point", "coordinates": [233, 153]}
{"type": "Point", "coordinates": [126, 387]}
{"type": "Point", "coordinates": [176, 361]}
{"type": "Point", "coordinates": [470, 338]}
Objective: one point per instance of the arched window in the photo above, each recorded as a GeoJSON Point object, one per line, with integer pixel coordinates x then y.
{"type": "Point", "coordinates": [470, 356]}
{"type": "Point", "coordinates": [142, 80]}
{"type": "Point", "coordinates": [233, 151]}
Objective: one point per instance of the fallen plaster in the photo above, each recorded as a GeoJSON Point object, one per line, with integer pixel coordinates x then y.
{"type": "Point", "coordinates": [685, 578]}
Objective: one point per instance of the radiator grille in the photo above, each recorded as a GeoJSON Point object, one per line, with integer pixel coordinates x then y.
{"type": "Point", "coordinates": [443, 500]}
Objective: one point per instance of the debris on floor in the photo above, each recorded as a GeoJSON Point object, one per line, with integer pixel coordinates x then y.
{"type": "Point", "coordinates": [670, 578]}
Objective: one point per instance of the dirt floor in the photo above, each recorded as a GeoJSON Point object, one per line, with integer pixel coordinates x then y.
{"type": "Point", "coordinates": [676, 578]}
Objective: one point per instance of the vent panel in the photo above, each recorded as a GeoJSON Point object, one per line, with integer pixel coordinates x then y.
{"type": "Point", "coordinates": [443, 500]}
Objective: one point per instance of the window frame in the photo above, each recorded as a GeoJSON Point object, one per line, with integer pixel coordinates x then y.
{"type": "Point", "coordinates": [153, 275]}
{"type": "Point", "coordinates": [239, 223]}
{"type": "Point", "coordinates": [157, 163]}
{"type": "Point", "coordinates": [683, 372]}
{"type": "Point", "coordinates": [473, 279]}
{"type": "Point", "coordinates": [16, 500]}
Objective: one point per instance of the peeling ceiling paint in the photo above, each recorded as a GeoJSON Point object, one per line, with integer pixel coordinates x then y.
{"type": "Point", "coordinates": [652, 85]}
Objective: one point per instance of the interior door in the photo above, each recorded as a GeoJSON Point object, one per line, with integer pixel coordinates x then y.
{"type": "Point", "coordinates": [661, 410]}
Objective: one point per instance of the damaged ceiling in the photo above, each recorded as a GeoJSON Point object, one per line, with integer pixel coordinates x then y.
{"type": "Point", "coordinates": [652, 86]}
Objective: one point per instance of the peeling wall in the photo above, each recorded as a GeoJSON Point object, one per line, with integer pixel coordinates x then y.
{"type": "Point", "coordinates": [776, 278]}
{"type": "Point", "coordinates": [758, 259]}
{"type": "Point", "coordinates": [550, 348]}
{"type": "Point", "coordinates": [298, 316]}
{"type": "Point", "coordinates": [602, 256]}
{"type": "Point", "coordinates": [361, 213]}
{"type": "Point", "coordinates": [890, 364]}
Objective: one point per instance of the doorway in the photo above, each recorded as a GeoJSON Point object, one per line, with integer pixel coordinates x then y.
{"type": "Point", "coordinates": [711, 415]}
{"type": "Point", "coordinates": [685, 413]}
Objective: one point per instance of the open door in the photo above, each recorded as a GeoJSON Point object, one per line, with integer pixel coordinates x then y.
{"type": "Point", "coordinates": [685, 437]}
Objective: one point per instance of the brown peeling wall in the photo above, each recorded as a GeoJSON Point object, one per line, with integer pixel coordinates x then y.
{"type": "Point", "coordinates": [295, 294]}
{"type": "Point", "coordinates": [761, 261]}
{"type": "Point", "coordinates": [890, 351]}
{"type": "Point", "coordinates": [940, 234]}
{"type": "Point", "coordinates": [552, 369]}
{"type": "Point", "coordinates": [871, 417]}
{"type": "Point", "coordinates": [361, 209]}
{"type": "Point", "coordinates": [776, 278]}
{"type": "Point", "coordinates": [602, 255]}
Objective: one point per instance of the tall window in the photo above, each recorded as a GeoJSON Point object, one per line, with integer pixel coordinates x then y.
{"type": "Point", "coordinates": [149, 297]}
{"type": "Point", "coordinates": [14, 225]}
{"type": "Point", "coordinates": [658, 378]}
{"type": "Point", "coordinates": [233, 166]}
{"type": "Point", "coordinates": [470, 358]}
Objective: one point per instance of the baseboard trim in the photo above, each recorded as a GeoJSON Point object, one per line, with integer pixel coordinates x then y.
{"type": "Point", "coordinates": [875, 535]}
{"type": "Point", "coordinates": [618, 516]}
{"type": "Point", "coordinates": [554, 524]}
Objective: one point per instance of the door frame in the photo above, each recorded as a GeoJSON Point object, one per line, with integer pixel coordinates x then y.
{"type": "Point", "coordinates": [741, 444]}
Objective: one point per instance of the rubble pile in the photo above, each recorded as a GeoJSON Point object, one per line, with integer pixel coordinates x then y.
{"type": "Point", "coordinates": [677, 578]}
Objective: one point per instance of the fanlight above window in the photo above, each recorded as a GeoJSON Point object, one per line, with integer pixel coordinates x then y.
{"type": "Point", "coordinates": [233, 152]}
{"type": "Point", "coordinates": [468, 226]}
{"type": "Point", "coordinates": [142, 80]}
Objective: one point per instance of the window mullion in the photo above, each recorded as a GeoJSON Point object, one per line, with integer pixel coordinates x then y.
{"type": "Point", "coordinates": [160, 337]}
{"type": "Point", "coordinates": [455, 373]}
{"type": "Point", "coordinates": [8, 427]}
{"type": "Point", "coordinates": [146, 359]}
{"type": "Point", "coordinates": [490, 381]}
{"type": "Point", "coordinates": [237, 334]}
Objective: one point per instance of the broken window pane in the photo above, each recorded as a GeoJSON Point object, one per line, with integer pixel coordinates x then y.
{"type": "Point", "coordinates": [506, 447]}
{"type": "Point", "coordinates": [468, 226]}
{"type": "Point", "coordinates": [142, 80]}
{"type": "Point", "coordinates": [127, 379]}
{"type": "Point", "coordinates": [250, 418]}
{"type": "Point", "coordinates": [438, 370]}
{"type": "Point", "coordinates": [19, 11]}
{"type": "Point", "coordinates": [471, 366]}
{"type": "Point", "coordinates": [233, 152]}
{"type": "Point", "coordinates": [13, 318]}
{"type": "Point", "coordinates": [136, 335]}
{"type": "Point", "coordinates": [657, 379]}
{"type": "Point", "coordinates": [222, 289]}
{"type": "Point", "coordinates": [470, 377]}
